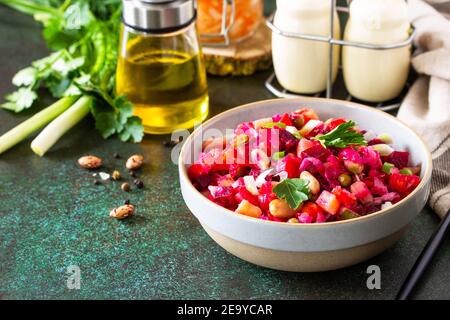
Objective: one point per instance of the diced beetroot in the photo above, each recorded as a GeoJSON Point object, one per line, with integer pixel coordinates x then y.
{"type": "Point", "coordinates": [361, 192]}
{"type": "Point", "coordinates": [312, 165]}
{"type": "Point", "coordinates": [196, 170]}
{"type": "Point", "coordinates": [399, 159]}
{"type": "Point", "coordinates": [319, 129]}
{"type": "Point", "coordinates": [370, 157]}
{"type": "Point", "coordinates": [286, 120]}
{"type": "Point", "coordinates": [352, 160]}
{"type": "Point", "coordinates": [272, 218]}
{"type": "Point", "coordinates": [223, 196]}
{"type": "Point", "coordinates": [333, 169]}
{"type": "Point", "coordinates": [225, 181]}
{"type": "Point", "coordinates": [312, 209]}
{"type": "Point", "coordinates": [290, 164]}
{"type": "Point", "coordinates": [321, 218]}
{"type": "Point", "coordinates": [288, 142]}
{"type": "Point", "coordinates": [403, 183]}
{"type": "Point", "coordinates": [243, 128]}
{"type": "Point", "coordinates": [268, 140]}
{"type": "Point", "coordinates": [346, 198]}
{"type": "Point", "coordinates": [266, 187]}
{"type": "Point", "coordinates": [266, 195]}
{"type": "Point", "coordinates": [316, 151]}
{"type": "Point", "coordinates": [379, 188]}
{"type": "Point", "coordinates": [375, 141]}
{"type": "Point", "coordinates": [244, 194]}
{"type": "Point", "coordinates": [305, 218]}
{"type": "Point", "coordinates": [391, 197]}
{"type": "Point", "coordinates": [237, 170]}
{"type": "Point", "coordinates": [350, 154]}
{"type": "Point", "coordinates": [304, 144]}
{"type": "Point", "coordinates": [328, 202]}
{"type": "Point", "coordinates": [332, 124]}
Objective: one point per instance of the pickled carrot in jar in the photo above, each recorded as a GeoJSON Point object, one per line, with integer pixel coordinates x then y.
{"type": "Point", "coordinates": [248, 15]}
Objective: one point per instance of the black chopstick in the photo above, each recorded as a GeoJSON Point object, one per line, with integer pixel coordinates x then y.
{"type": "Point", "coordinates": [424, 259]}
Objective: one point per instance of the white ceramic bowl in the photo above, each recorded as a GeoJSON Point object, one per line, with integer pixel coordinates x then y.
{"type": "Point", "coordinates": [308, 247]}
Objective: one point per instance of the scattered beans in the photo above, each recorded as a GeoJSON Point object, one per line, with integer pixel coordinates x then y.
{"type": "Point", "coordinates": [122, 212]}
{"type": "Point", "coordinates": [90, 162]}
{"type": "Point", "coordinates": [125, 187]}
{"type": "Point", "coordinates": [139, 183]}
{"type": "Point", "coordinates": [116, 175]}
{"type": "Point", "coordinates": [134, 162]}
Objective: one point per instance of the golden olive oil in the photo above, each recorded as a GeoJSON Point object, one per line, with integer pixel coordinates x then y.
{"type": "Point", "coordinates": [167, 87]}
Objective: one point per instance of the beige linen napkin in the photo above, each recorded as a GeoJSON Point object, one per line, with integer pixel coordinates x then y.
{"type": "Point", "coordinates": [426, 107]}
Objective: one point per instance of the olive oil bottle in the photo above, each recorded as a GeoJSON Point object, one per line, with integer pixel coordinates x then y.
{"type": "Point", "coordinates": [163, 75]}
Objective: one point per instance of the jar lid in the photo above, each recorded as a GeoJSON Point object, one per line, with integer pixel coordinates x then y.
{"type": "Point", "coordinates": [158, 16]}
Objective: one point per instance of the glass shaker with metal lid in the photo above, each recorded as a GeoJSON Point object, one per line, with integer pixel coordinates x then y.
{"type": "Point", "coordinates": [160, 68]}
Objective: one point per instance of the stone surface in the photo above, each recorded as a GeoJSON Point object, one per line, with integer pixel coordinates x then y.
{"type": "Point", "coordinates": [53, 216]}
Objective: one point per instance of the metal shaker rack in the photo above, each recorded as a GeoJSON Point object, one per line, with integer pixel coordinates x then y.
{"type": "Point", "coordinates": [276, 89]}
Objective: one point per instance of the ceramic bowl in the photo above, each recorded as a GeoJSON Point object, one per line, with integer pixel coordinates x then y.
{"type": "Point", "coordinates": [308, 247]}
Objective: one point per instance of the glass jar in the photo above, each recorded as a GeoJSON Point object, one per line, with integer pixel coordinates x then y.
{"type": "Point", "coordinates": [160, 67]}
{"type": "Point", "coordinates": [301, 66]}
{"type": "Point", "coordinates": [376, 75]}
{"type": "Point", "coordinates": [228, 20]}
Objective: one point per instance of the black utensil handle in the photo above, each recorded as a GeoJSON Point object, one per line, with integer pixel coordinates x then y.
{"type": "Point", "coordinates": [425, 258]}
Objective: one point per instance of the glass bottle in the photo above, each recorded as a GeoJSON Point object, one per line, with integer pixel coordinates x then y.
{"type": "Point", "coordinates": [160, 68]}
{"type": "Point", "coordinates": [376, 75]}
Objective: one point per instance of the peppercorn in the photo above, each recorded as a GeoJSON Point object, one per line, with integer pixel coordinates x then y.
{"type": "Point", "coordinates": [126, 202]}
{"type": "Point", "coordinates": [132, 173]}
{"type": "Point", "coordinates": [139, 183]}
{"type": "Point", "coordinates": [96, 182]}
{"type": "Point", "coordinates": [116, 175]}
{"type": "Point", "coordinates": [345, 179]}
{"type": "Point", "coordinates": [125, 187]}
{"type": "Point", "coordinates": [171, 143]}
{"type": "Point", "coordinates": [116, 156]}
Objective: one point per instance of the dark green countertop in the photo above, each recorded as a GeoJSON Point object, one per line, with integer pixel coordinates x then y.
{"type": "Point", "coordinates": [52, 216]}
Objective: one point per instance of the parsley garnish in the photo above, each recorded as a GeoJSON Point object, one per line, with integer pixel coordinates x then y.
{"type": "Point", "coordinates": [342, 136]}
{"type": "Point", "coordinates": [294, 191]}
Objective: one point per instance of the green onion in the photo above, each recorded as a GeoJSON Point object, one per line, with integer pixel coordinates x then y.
{"type": "Point", "coordinates": [271, 125]}
{"type": "Point", "coordinates": [36, 122]}
{"type": "Point", "coordinates": [278, 155]}
{"type": "Point", "coordinates": [387, 167]}
{"type": "Point", "coordinates": [58, 127]}
{"type": "Point", "coordinates": [406, 171]}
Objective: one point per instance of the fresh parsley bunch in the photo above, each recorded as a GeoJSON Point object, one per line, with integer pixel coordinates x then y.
{"type": "Point", "coordinates": [80, 71]}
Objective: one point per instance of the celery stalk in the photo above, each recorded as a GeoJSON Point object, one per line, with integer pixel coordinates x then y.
{"type": "Point", "coordinates": [58, 127]}
{"type": "Point", "coordinates": [36, 122]}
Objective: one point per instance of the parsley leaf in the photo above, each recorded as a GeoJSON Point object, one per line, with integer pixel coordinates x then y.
{"type": "Point", "coordinates": [25, 77]}
{"type": "Point", "coordinates": [294, 191]}
{"type": "Point", "coordinates": [20, 100]}
{"type": "Point", "coordinates": [118, 119]}
{"type": "Point", "coordinates": [342, 136]}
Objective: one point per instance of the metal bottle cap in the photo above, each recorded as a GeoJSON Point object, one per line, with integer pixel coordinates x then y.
{"type": "Point", "coordinates": [158, 16]}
